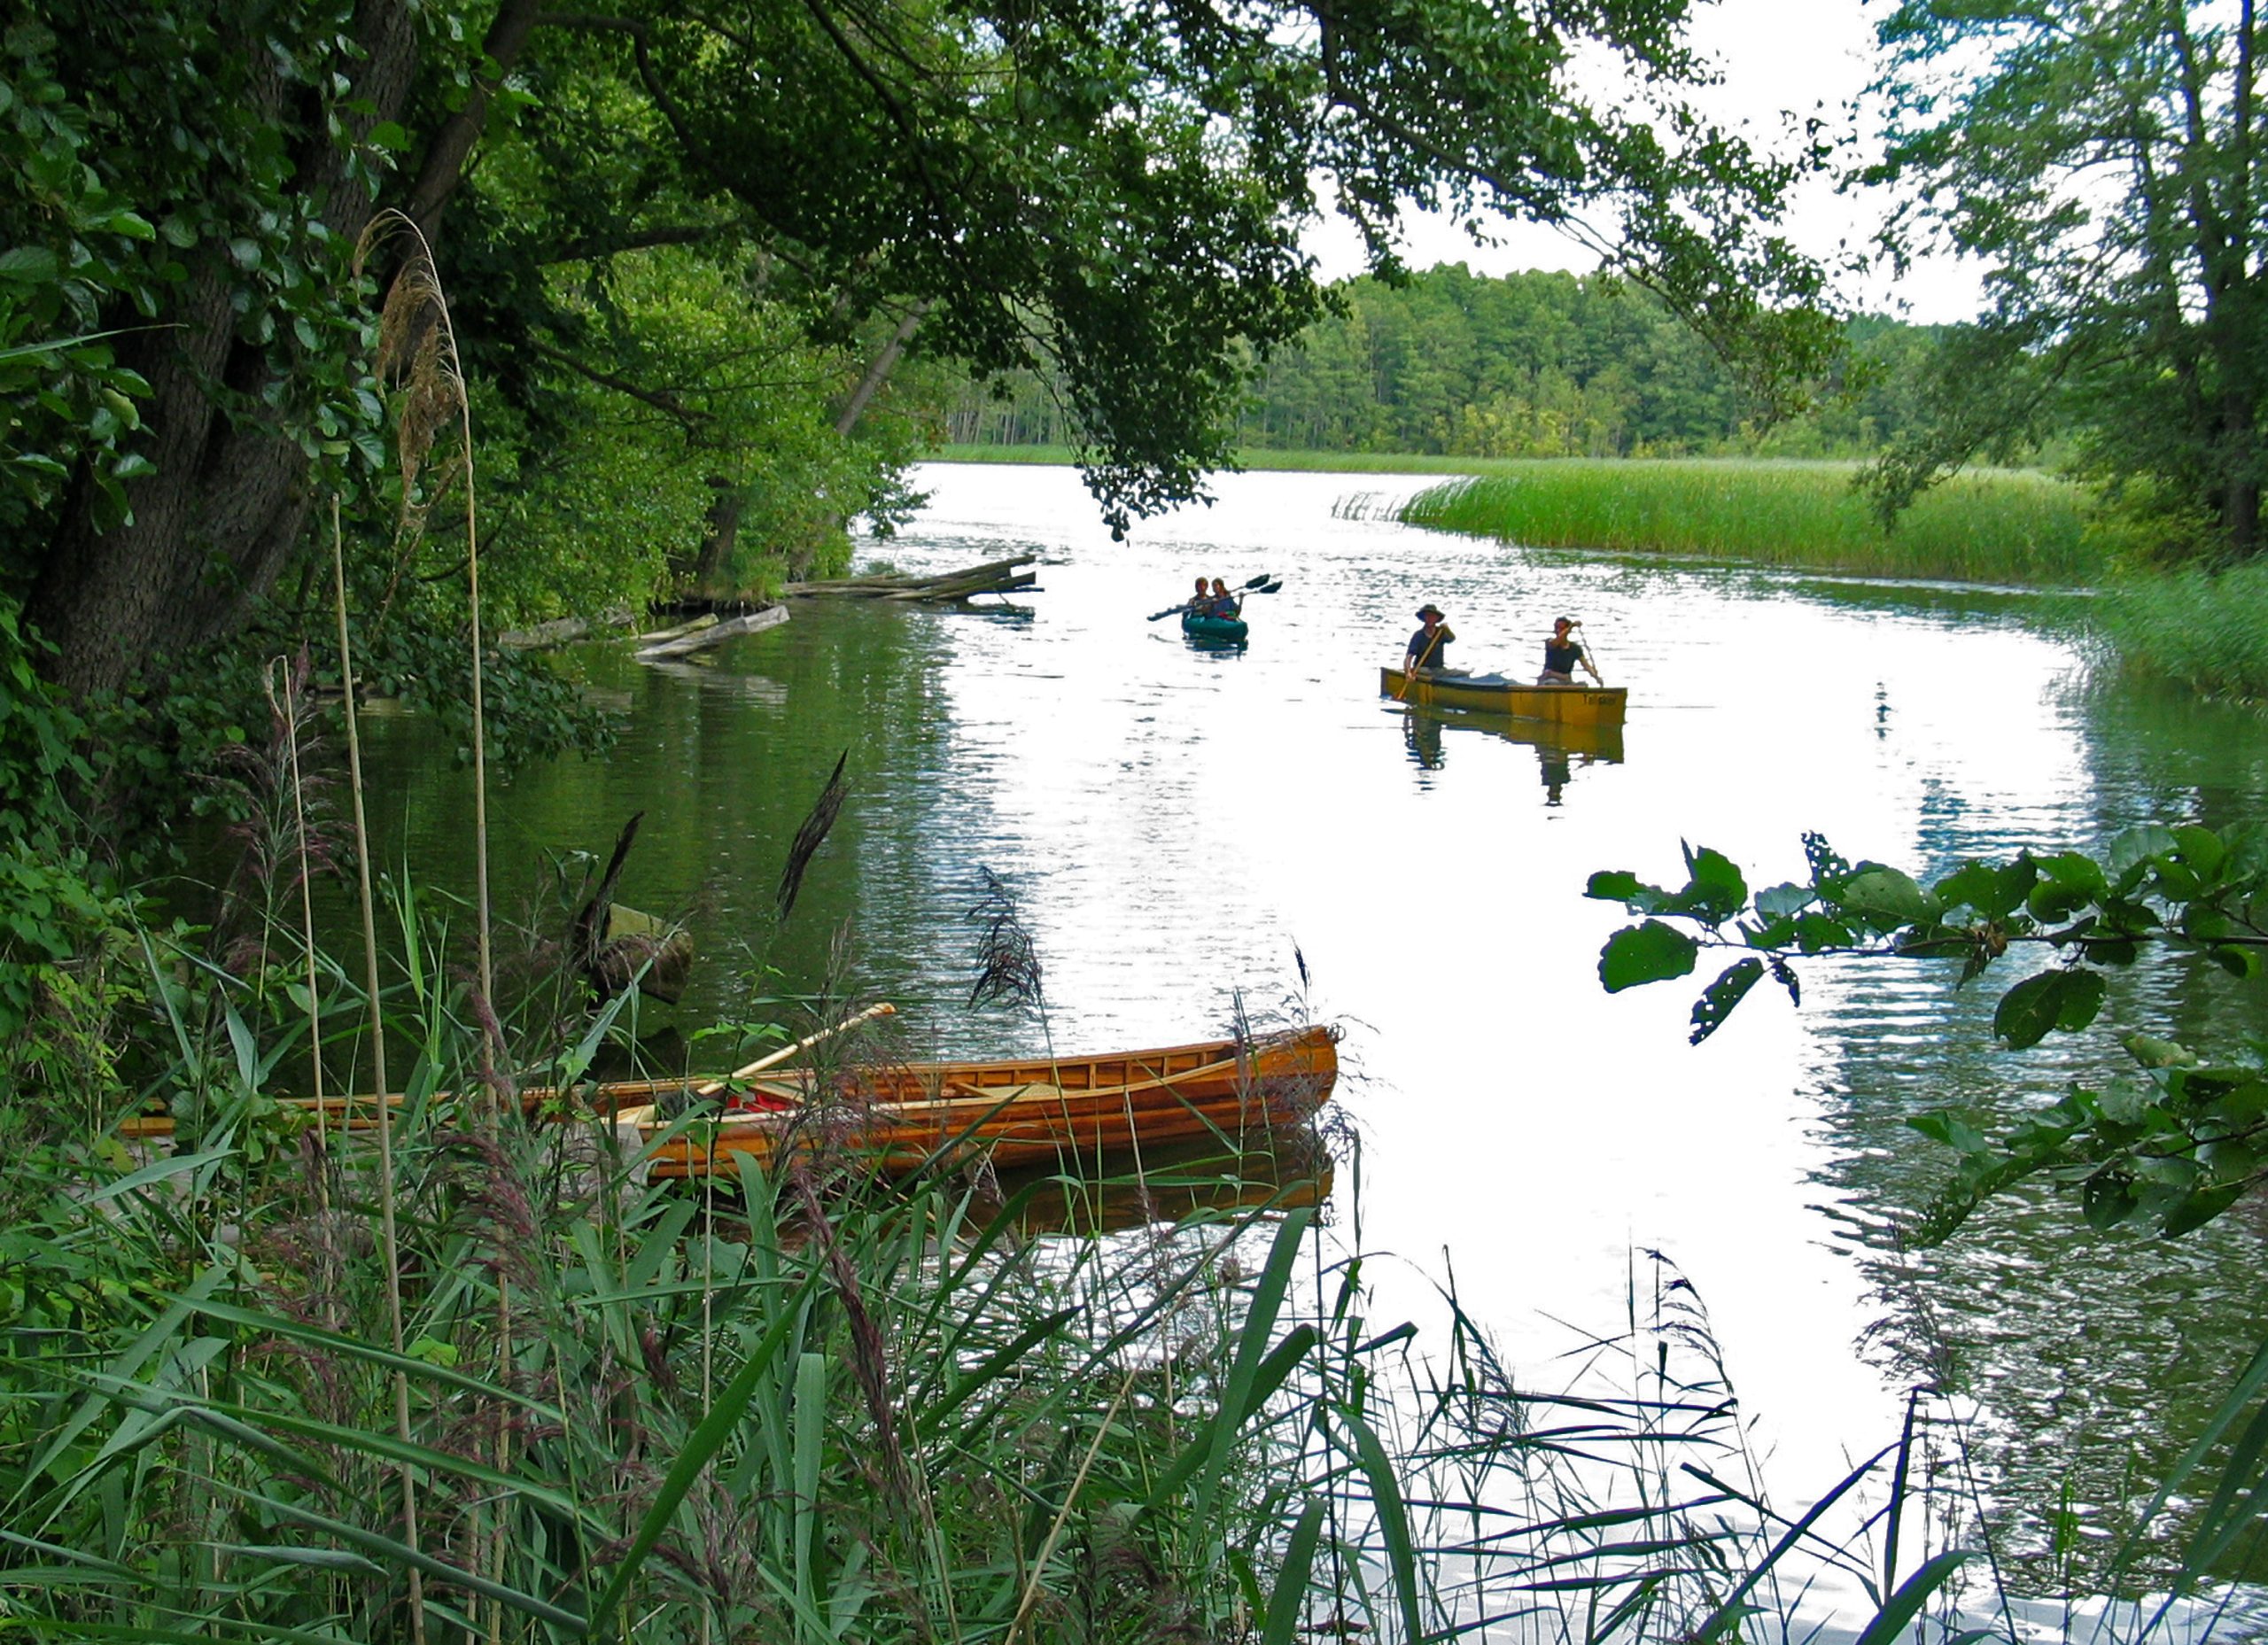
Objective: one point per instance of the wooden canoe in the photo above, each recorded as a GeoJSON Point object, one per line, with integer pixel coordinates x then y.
{"type": "Point", "coordinates": [1031, 1110]}
{"type": "Point", "coordinates": [896, 1118]}
{"type": "Point", "coordinates": [1493, 694]}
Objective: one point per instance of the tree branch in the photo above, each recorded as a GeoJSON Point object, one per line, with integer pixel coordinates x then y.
{"type": "Point", "coordinates": [688, 416]}
{"type": "Point", "coordinates": [635, 240]}
{"type": "Point", "coordinates": [444, 157]}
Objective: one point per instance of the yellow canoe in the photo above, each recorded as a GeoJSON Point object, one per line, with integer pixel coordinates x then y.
{"type": "Point", "coordinates": [1492, 693]}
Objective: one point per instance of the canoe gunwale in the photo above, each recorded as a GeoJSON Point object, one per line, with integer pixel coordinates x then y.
{"type": "Point", "coordinates": [1564, 705]}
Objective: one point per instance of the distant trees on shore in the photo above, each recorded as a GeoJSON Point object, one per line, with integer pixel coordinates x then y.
{"type": "Point", "coordinates": [1454, 363]}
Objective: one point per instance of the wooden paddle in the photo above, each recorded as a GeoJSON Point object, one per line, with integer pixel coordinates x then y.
{"type": "Point", "coordinates": [643, 1113]}
{"type": "Point", "coordinates": [1589, 662]}
{"type": "Point", "coordinates": [1403, 695]}
{"type": "Point", "coordinates": [1259, 584]}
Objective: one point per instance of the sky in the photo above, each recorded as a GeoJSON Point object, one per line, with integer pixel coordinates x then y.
{"type": "Point", "coordinates": [1774, 55]}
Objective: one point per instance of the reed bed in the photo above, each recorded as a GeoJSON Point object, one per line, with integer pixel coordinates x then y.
{"type": "Point", "coordinates": [2204, 630]}
{"type": "Point", "coordinates": [1997, 526]}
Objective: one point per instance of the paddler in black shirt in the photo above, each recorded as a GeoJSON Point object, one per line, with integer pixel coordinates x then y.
{"type": "Point", "coordinates": [1562, 654]}
{"type": "Point", "coordinates": [1430, 645]}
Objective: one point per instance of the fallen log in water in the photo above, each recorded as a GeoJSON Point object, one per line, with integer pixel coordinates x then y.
{"type": "Point", "coordinates": [714, 633]}
{"type": "Point", "coordinates": [707, 619]}
{"type": "Point", "coordinates": [995, 576]}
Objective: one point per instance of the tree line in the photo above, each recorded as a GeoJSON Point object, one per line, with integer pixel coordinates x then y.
{"type": "Point", "coordinates": [1542, 364]}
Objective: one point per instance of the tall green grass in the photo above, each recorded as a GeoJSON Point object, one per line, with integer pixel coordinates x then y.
{"type": "Point", "coordinates": [1993, 526]}
{"type": "Point", "coordinates": [1998, 526]}
{"type": "Point", "coordinates": [2205, 630]}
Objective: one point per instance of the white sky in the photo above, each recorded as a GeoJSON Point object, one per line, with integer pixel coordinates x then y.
{"type": "Point", "coordinates": [1776, 54]}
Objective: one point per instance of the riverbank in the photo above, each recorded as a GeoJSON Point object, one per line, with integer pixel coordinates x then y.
{"type": "Point", "coordinates": [2205, 630]}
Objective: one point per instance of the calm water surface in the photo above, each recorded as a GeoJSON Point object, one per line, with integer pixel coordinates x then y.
{"type": "Point", "coordinates": [1179, 824]}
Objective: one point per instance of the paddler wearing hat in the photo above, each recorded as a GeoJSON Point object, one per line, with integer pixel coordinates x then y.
{"type": "Point", "coordinates": [1429, 646]}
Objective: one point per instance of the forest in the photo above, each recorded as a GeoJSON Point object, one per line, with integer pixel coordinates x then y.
{"type": "Point", "coordinates": [1447, 362]}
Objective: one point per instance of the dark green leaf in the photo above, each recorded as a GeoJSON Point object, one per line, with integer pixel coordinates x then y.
{"type": "Point", "coordinates": [2201, 848]}
{"type": "Point", "coordinates": [1652, 952]}
{"type": "Point", "coordinates": [29, 263]}
{"type": "Point", "coordinates": [1717, 1001]}
{"type": "Point", "coordinates": [1995, 890]}
{"type": "Point", "coordinates": [1884, 898]}
{"type": "Point", "coordinates": [1817, 931]}
{"type": "Point", "coordinates": [2065, 999]}
{"type": "Point", "coordinates": [1618, 884]}
{"type": "Point", "coordinates": [2195, 1210]}
{"type": "Point", "coordinates": [1715, 888]}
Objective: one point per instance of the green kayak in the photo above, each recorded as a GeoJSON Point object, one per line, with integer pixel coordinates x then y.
{"type": "Point", "coordinates": [1222, 628]}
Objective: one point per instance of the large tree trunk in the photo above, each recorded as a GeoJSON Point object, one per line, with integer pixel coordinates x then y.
{"type": "Point", "coordinates": [708, 579]}
{"type": "Point", "coordinates": [228, 503]}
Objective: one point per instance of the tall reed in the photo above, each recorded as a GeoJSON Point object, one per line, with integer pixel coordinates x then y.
{"type": "Point", "coordinates": [1996, 526]}
{"type": "Point", "coordinates": [2207, 631]}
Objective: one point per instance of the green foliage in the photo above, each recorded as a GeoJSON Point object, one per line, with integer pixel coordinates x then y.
{"type": "Point", "coordinates": [1996, 527]}
{"type": "Point", "coordinates": [1525, 366]}
{"type": "Point", "coordinates": [2206, 630]}
{"type": "Point", "coordinates": [74, 259]}
{"type": "Point", "coordinates": [58, 908]}
{"type": "Point", "coordinates": [2173, 1146]}
{"type": "Point", "coordinates": [2098, 160]}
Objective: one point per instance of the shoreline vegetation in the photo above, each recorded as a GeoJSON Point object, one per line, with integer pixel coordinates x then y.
{"type": "Point", "coordinates": [2206, 632]}
{"type": "Point", "coordinates": [2002, 525]}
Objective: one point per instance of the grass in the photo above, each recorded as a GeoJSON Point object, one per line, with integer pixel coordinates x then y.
{"type": "Point", "coordinates": [2207, 631]}
{"type": "Point", "coordinates": [1997, 526]}
{"type": "Point", "coordinates": [2014, 526]}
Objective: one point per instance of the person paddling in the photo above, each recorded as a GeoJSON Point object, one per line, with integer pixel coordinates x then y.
{"type": "Point", "coordinates": [1200, 603]}
{"type": "Point", "coordinates": [1224, 603]}
{"type": "Point", "coordinates": [1563, 653]}
{"type": "Point", "coordinates": [1429, 646]}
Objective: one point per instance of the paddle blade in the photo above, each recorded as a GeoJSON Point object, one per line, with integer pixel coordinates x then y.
{"type": "Point", "coordinates": [1258, 580]}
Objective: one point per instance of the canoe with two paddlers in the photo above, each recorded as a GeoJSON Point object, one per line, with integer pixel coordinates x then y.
{"type": "Point", "coordinates": [1493, 694]}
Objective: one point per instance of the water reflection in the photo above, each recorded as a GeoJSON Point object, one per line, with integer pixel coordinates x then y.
{"type": "Point", "coordinates": [1175, 1184]}
{"type": "Point", "coordinates": [1561, 750]}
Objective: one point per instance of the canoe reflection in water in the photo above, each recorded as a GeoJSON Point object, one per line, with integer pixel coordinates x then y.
{"type": "Point", "coordinates": [1194, 1181]}
{"type": "Point", "coordinates": [1561, 750]}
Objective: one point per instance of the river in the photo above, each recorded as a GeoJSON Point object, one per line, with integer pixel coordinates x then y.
{"type": "Point", "coordinates": [1182, 826]}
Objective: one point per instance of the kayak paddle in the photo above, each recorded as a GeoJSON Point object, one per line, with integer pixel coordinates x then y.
{"type": "Point", "coordinates": [1262, 584]}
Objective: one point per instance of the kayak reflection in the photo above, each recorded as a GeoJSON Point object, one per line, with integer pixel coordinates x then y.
{"type": "Point", "coordinates": [1561, 750]}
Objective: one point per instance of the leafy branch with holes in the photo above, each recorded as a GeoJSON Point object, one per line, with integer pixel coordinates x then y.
{"type": "Point", "coordinates": [2171, 1143]}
